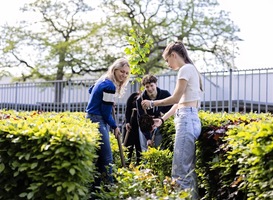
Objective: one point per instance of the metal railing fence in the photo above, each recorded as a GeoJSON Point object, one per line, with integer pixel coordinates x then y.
{"type": "Point", "coordinates": [224, 91]}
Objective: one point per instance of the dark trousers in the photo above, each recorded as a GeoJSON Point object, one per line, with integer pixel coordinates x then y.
{"type": "Point", "coordinates": [132, 144]}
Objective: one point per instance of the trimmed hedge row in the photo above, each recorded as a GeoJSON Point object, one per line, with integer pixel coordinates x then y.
{"type": "Point", "coordinates": [233, 160]}
{"type": "Point", "coordinates": [233, 155]}
{"type": "Point", "coordinates": [46, 155]}
{"type": "Point", "coordinates": [52, 156]}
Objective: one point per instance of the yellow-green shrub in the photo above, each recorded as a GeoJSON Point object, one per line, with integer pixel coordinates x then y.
{"type": "Point", "coordinates": [251, 149]}
{"type": "Point", "coordinates": [218, 175]}
{"type": "Point", "coordinates": [46, 155]}
{"type": "Point", "coordinates": [141, 183]}
{"type": "Point", "coordinates": [159, 161]}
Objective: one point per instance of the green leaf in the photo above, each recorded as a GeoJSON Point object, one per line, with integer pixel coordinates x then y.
{"type": "Point", "coordinates": [76, 197]}
{"type": "Point", "coordinates": [33, 165]}
{"type": "Point", "coordinates": [72, 171]}
{"type": "Point", "coordinates": [2, 167]}
{"type": "Point", "coordinates": [24, 194]}
{"type": "Point", "coordinates": [16, 173]}
{"type": "Point", "coordinates": [59, 188]}
{"type": "Point", "coordinates": [127, 50]}
{"type": "Point", "coordinates": [62, 149]}
{"type": "Point", "coordinates": [30, 195]}
{"type": "Point", "coordinates": [65, 164]}
{"type": "Point", "coordinates": [27, 156]}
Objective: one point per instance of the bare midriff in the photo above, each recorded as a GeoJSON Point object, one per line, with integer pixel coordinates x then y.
{"type": "Point", "coordinates": [188, 104]}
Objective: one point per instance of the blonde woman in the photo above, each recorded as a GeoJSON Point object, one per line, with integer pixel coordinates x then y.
{"type": "Point", "coordinates": [99, 109]}
{"type": "Point", "coordinates": [185, 101]}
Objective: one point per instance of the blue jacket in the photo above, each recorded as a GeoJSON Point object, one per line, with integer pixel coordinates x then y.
{"type": "Point", "coordinates": [101, 101]}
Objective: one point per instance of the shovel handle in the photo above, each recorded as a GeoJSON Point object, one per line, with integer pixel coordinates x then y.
{"type": "Point", "coordinates": [119, 142]}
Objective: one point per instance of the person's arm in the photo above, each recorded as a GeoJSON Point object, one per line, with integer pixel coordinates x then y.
{"type": "Point", "coordinates": [171, 112]}
{"type": "Point", "coordinates": [107, 115]}
{"type": "Point", "coordinates": [129, 111]}
{"type": "Point", "coordinates": [173, 99]}
{"type": "Point", "coordinates": [147, 135]}
{"type": "Point", "coordinates": [140, 110]}
{"type": "Point", "coordinates": [129, 108]}
{"type": "Point", "coordinates": [107, 104]}
{"type": "Point", "coordinates": [165, 109]}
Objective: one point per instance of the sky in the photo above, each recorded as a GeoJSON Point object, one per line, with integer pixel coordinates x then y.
{"type": "Point", "coordinates": [253, 17]}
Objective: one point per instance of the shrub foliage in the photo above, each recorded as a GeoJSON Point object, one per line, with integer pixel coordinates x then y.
{"type": "Point", "coordinates": [46, 155]}
{"type": "Point", "coordinates": [52, 156]}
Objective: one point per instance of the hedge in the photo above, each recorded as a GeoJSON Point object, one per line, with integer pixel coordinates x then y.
{"type": "Point", "coordinates": [46, 155]}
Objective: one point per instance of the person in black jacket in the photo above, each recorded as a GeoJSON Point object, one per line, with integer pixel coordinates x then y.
{"type": "Point", "coordinates": [151, 92]}
{"type": "Point", "coordinates": [131, 130]}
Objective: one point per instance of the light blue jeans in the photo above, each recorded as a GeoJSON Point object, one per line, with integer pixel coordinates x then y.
{"type": "Point", "coordinates": [105, 158]}
{"type": "Point", "coordinates": [188, 129]}
{"type": "Point", "coordinates": [143, 140]}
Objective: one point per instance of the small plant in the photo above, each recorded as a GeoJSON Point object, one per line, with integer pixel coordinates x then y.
{"type": "Point", "coordinates": [159, 161]}
{"type": "Point", "coordinates": [140, 45]}
{"type": "Point", "coordinates": [141, 183]}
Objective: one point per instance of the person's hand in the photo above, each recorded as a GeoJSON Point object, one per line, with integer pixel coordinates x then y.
{"type": "Point", "coordinates": [128, 127]}
{"type": "Point", "coordinates": [116, 132]}
{"type": "Point", "coordinates": [145, 104]}
{"type": "Point", "coordinates": [158, 122]}
{"type": "Point", "coordinates": [149, 143]}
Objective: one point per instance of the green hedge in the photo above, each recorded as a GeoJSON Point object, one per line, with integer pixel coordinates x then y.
{"type": "Point", "coordinates": [46, 155]}
{"type": "Point", "coordinates": [250, 149]}
{"type": "Point", "coordinates": [233, 155]}
{"type": "Point", "coordinates": [52, 156]}
{"type": "Point", "coordinates": [233, 161]}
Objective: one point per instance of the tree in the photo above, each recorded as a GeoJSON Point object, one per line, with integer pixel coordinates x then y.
{"type": "Point", "coordinates": [61, 42]}
{"type": "Point", "coordinates": [207, 31]}
{"type": "Point", "coordinates": [67, 42]}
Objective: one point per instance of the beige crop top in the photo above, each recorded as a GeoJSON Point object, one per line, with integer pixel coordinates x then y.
{"type": "Point", "coordinates": [191, 75]}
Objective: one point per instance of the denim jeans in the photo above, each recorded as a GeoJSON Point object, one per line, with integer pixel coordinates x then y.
{"type": "Point", "coordinates": [143, 140]}
{"type": "Point", "coordinates": [105, 157]}
{"type": "Point", "coordinates": [188, 129]}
